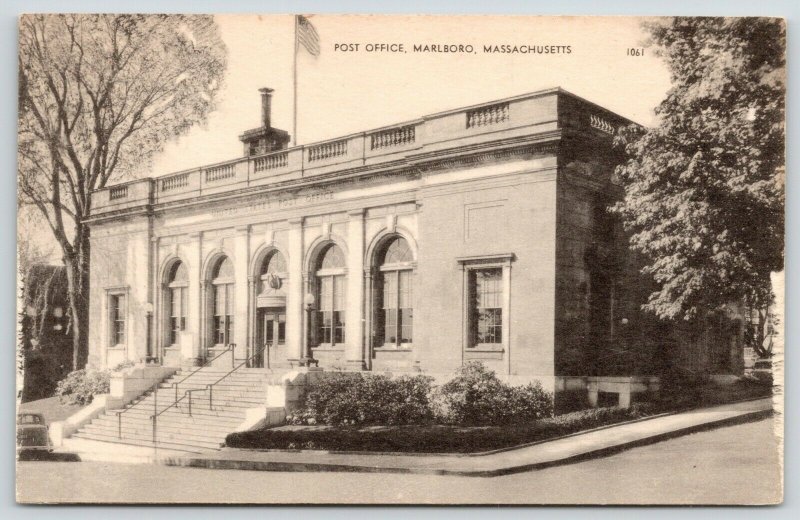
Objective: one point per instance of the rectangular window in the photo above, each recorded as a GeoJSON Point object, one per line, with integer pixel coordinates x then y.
{"type": "Point", "coordinates": [281, 329]}
{"type": "Point", "coordinates": [177, 317]}
{"type": "Point", "coordinates": [223, 313]}
{"type": "Point", "coordinates": [117, 319]}
{"type": "Point", "coordinates": [331, 309]}
{"type": "Point", "coordinates": [270, 328]}
{"type": "Point", "coordinates": [326, 309]}
{"type": "Point", "coordinates": [405, 298]}
{"type": "Point", "coordinates": [390, 307]}
{"type": "Point", "coordinates": [486, 306]}
{"type": "Point", "coordinates": [394, 324]}
{"type": "Point", "coordinates": [275, 324]}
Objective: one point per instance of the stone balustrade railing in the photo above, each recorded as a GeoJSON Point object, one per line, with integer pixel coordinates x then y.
{"type": "Point", "coordinates": [392, 137]}
{"type": "Point", "coordinates": [601, 124]}
{"type": "Point", "coordinates": [174, 182]}
{"type": "Point", "coordinates": [271, 162]}
{"type": "Point", "coordinates": [118, 192]}
{"type": "Point", "coordinates": [329, 150]}
{"type": "Point", "coordinates": [488, 115]}
{"type": "Point", "coordinates": [524, 115]}
{"type": "Point", "coordinates": [219, 173]}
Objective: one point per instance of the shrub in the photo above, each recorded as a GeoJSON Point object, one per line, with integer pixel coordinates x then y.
{"type": "Point", "coordinates": [764, 378]}
{"type": "Point", "coordinates": [682, 387]}
{"type": "Point", "coordinates": [433, 438]}
{"type": "Point", "coordinates": [80, 386]}
{"type": "Point", "coordinates": [477, 397]}
{"type": "Point", "coordinates": [366, 399]}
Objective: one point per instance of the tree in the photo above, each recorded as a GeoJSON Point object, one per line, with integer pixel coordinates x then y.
{"type": "Point", "coordinates": [98, 96]}
{"type": "Point", "coordinates": [704, 189]}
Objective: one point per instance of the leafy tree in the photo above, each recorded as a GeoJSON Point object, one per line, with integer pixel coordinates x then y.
{"type": "Point", "coordinates": [704, 189]}
{"type": "Point", "coordinates": [98, 96]}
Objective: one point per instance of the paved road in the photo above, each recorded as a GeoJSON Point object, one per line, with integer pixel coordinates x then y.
{"type": "Point", "coordinates": [737, 464]}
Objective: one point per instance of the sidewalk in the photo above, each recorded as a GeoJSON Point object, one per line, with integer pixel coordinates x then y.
{"type": "Point", "coordinates": [565, 450]}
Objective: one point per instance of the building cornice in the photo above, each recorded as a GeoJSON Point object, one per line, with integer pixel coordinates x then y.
{"type": "Point", "coordinates": [500, 150]}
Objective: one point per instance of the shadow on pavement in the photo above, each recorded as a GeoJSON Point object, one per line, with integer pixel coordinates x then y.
{"type": "Point", "coordinates": [30, 455]}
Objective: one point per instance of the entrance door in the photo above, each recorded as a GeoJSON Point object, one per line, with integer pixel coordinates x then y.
{"type": "Point", "coordinates": [271, 334]}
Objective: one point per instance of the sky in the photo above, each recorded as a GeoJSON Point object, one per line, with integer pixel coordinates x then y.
{"type": "Point", "coordinates": [340, 93]}
{"type": "Point", "coordinates": [345, 92]}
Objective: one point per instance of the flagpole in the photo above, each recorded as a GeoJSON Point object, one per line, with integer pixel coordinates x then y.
{"type": "Point", "coordinates": [294, 73]}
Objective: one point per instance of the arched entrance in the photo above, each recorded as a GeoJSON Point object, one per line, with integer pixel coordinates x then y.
{"type": "Point", "coordinates": [270, 315]}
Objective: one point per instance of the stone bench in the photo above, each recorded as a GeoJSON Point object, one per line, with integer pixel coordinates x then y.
{"type": "Point", "coordinates": [624, 387]}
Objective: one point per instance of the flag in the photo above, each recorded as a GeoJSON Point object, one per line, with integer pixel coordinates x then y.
{"type": "Point", "coordinates": [307, 36]}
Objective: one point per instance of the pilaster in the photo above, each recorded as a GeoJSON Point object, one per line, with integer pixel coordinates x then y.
{"type": "Point", "coordinates": [240, 261]}
{"type": "Point", "coordinates": [294, 299]}
{"type": "Point", "coordinates": [354, 326]}
{"type": "Point", "coordinates": [251, 315]}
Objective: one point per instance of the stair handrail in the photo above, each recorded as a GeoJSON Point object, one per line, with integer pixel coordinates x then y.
{"type": "Point", "coordinates": [230, 347]}
{"type": "Point", "coordinates": [210, 386]}
{"type": "Point", "coordinates": [153, 389]}
{"type": "Point", "coordinates": [156, 413]}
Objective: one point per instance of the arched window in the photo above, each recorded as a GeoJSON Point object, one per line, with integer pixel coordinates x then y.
{"type": "Point", "coordinates": [331, 287]}
{"type": "Point", "coordinates": [177, 287]}
{"type": "Point", "coordinates": [222, 280]}
{"type": "Point", "coordinates": [395, 289]}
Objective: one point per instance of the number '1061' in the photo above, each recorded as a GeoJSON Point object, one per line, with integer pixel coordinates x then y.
{"type": "Point", "coordinates": [635, 52]}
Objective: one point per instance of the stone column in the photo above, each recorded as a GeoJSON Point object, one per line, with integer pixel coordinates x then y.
{"type": "Point", "coordinates": [241, 301]}
{"type": "Point", "coordinates": [354, 326]}
{"type": "Point", "coordinates": [294, 299]}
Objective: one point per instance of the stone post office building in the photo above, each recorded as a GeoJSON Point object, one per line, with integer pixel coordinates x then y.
{"type": "Point", "coordinates": [458, 236]}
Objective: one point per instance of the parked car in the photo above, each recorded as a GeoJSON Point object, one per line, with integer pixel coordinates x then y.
{"type": "Point", "coordinates": [32, 433]}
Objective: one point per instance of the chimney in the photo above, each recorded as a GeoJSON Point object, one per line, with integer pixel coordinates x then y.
{"type": "Point", "coordinates": [266, 106]}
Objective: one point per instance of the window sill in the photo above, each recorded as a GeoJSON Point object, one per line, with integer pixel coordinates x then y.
{"type": "Point", "coordinates": [328, 348]}
{"type": "Point", "coordinates": [484, 352]}
{"type": "Point", "coordinates": [405, 348]}
{"type": "Point", "coordinates": [485, 348]}
{"type": "Point", "coordinates": [116, 347]}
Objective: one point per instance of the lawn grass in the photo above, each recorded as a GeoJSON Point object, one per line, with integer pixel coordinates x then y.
{"type": "Point", "coordinates": [436, 438]}
{"type": "Point", "coordinates": [51, 407]}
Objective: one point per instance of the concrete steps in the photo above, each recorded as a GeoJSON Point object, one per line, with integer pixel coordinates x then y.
{"type": "Point", "coordinates": [204, 429]}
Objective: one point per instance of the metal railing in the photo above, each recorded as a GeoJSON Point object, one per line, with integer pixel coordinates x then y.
{"type": "Point", "coordinates": [154, 417]}
{"type": "Point", "coordinates": [231, 347]}
{"type": "Point", "coordinates": [210, 386]}
{"type": "Point", "coordinates": [154, 390]}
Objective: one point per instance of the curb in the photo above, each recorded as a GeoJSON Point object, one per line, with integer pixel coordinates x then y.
{"type": "Point", "coordinates": [249, 465]}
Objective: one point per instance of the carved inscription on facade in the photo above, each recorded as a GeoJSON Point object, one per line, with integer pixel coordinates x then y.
{"type": "Point", "coordinates": [269, 202]}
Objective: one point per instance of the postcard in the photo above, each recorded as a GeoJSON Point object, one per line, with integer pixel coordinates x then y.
{"type": "Point", "coordinates": [355, 259]}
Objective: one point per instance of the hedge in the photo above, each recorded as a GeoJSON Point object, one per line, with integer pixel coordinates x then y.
{"type": "Point", "coordinates": [432, 438]}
